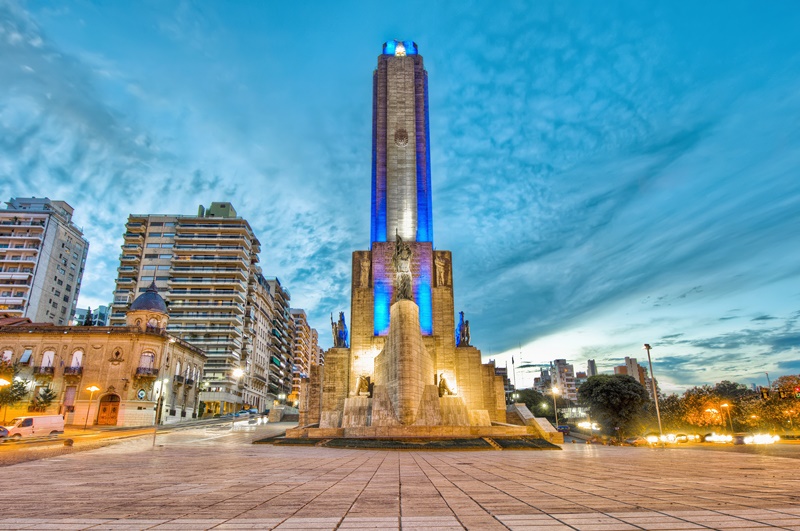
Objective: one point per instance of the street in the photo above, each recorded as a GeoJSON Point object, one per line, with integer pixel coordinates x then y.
{"type": "Point", "coordinates": [212, 477]}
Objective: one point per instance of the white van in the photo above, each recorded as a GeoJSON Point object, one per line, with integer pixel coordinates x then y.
{"type": "Point", "coordinates": [36, 426]}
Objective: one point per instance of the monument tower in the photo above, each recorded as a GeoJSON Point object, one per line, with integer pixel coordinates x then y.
{"type": "Point", "coordinates": [404, 370]}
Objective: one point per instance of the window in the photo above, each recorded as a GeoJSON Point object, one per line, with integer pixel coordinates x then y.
{"type": "Point", "coordinates": [150, 256]}
{"type": "Point", "coordinates": [152, 246]}
{"type": "Point", "coordinates": [177, 368]}
{"type": "Point", "coordinates": [169, 235]}
{"type": "Point", "coordinates": [7, 355]}
{"type": "Point", "coordinates": [77, 359]}
{"type": "Point", "coordinates": [72, 266]}
{"type": "Point", "coordinates": [162, 279]}
{"type": "Point", "coordinates": [165, 256]}
{"type": "Point", "coordinates": [56, 292]}
{"type": "Point", "coordinates": [147, 360]}
{"type": "Point", "coordinates": [27, 423]}
{"type": "Point", "coordinates": [149, 268]}
{"type": "Point", "coordinates": [169, 224]}
{"type": "Point", "coordinates": [154, 235]}
{"type": "Point", "coordinates": [47, 358]}
{"type": "Point", "coordinates": [59, 282]}
{"type": "Point", "coordinates": [68, 287]}
{"type": "Point", "coordinates": [163, 268]}
{"type": "Point", "coordinates": [156, 224]}
{"type": "Point", "coordinates": [66, 298]}
{"type": "Point", "coordinates": [70, 277]}
{"type": "Point", "coordinates": [167, 245]}
{"type": "Point", "coordinates": [61, 270]}
{"type": "Point", "coordinates": [26, 356]}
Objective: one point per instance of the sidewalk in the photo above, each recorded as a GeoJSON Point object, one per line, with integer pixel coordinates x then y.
{"type": "Point", "coordinates": [217, 480]}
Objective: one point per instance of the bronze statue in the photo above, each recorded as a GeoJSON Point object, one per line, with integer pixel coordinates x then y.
{"type": "Point", "coordinates": [401, 261]}
{"type": "Point", "coordinates": [339, 330]}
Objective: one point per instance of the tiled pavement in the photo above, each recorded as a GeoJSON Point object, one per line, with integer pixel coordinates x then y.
{"type": "Point", "coordinates": [207, 479]}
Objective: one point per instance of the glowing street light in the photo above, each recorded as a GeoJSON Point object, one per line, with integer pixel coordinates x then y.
{"type": "Point", "coordinates": [555, 392]}
{"type": "Point", "coordinates": [727, 408]}
{"type": "Point", "coordinates": [92, 390]}
{"type": "Point", "coordinates": [4, 382]}
{"type": "Point", "coordinates": [647, 347]}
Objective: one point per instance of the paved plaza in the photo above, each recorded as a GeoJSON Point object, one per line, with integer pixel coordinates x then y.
{"type": "Point", "coordinates": [212, 478]}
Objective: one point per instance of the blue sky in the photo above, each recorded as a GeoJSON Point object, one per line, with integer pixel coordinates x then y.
{"type": "Point", "coordinates": [606, 174]}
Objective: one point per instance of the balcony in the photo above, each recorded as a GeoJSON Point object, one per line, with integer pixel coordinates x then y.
{"type": "Point", "coordinates": [189, 382]}
{"type": "Point", "coordinates": [178, 379]}
{"type": "Point", "coordinates": [73, 371]}
{"type": "Point", "coordinates": [146, 372]}
{"type": "Point", "coordinates": [133, 236]}
{"type": "Point", "coordinates": [44, 370]}
{"type": "Point", "coordinates": [129, 258]}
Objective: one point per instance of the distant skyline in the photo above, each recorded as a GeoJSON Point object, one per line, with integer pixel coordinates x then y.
{"type": "Point", "coordinates": [606, 175]}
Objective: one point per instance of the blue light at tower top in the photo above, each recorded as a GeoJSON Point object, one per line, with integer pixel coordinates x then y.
{"type": "Point", "coordinates": [400, 48]}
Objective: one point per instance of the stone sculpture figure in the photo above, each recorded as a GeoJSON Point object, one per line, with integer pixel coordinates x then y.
{"type": "Point", "coordinates": [364, 273]}
{"type": "Point", "coordinates": [444, 389]}
{"type": "Point", "coordinates": [339, 330]}
{"type": "Point", "coordinates": [401, 262]}
{"type": "Point", "coordinates": [441, 271]}
{"type": "Point", "coordinates": [362, 385]}
{"type": "Point", "coordinates": [466, 337]}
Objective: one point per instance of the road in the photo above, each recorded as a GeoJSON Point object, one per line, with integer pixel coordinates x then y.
{"type": "Point", "coordinates": [77, 439]}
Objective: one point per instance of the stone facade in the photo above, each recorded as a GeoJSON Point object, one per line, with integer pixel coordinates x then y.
{"type": "Point", "coordinates": [133, 366]}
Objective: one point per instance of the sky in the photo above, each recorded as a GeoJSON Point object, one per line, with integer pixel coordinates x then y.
{"type": "Point", "coordinates": [606, 174]}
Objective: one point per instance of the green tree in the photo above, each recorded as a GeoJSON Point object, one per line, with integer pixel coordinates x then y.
{"type": "Point", "coordinates": [45, 398]}
{"type": "Point", "coordinates": [532, 399]}
{"type": "Point", "coordinates": [614, 400]}
{"type": "Point", "coordinates": [87, 320]}
{"type": "Point", "coordinates": [11, 394]}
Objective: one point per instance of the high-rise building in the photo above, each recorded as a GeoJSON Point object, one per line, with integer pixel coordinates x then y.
{"type": "Point", "coordinates": [591, 369]}
{"type": "Point", "coordinates": [99, 316]}
{"type": "Point", "coordinates": [42, 258]}
{"type": "Point", "coordinates": [633, 369]}
{"type": "Point", "coordinates": [281, 347]}
{"type": "Point", "coordinates": [564, 378]}
{"type": "Point", "coordinates": [302, 349]}
{"type": "Point", "coordinates": [206, 268]}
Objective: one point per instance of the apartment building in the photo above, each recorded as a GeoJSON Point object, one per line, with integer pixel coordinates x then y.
{"type": "Point", "coordinates": [281, 342]}
{"type": "Point", "coordinates": [99, 316]}
{"type": "Point", "coordinates": [302, 348]}
{"type": "Point", "coordinates": [563, 375]}
{"type": "Point", "coordinates": [42, 258]}
{"type": "Point", "coordinates": [206, 268]}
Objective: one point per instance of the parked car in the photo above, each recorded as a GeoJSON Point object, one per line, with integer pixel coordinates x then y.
{"type": "Point", "coordinates": [636, 441]}
{"type": "Point", "coordinates": [35, 426]}
{"type": "Point", "coordinates": [563, 429]}
{"type": "Point", "coordinates": [3, 432]}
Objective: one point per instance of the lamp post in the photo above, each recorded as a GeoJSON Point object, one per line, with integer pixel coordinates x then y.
{"type": "Point", "coordinates": [237, 373]}
{"type": "Point", "coordinates": [647, 347]}
{"type": "Point", "coordinates": [555, 391]}
{"type": "Point", "coordinates": [163, 373]}
{"type": "Point", "coordinates": [92, 390]}
{"type": "Point", "coordinates": [3, 383]}
{"type": "Point", "coordinates": [727, 408]}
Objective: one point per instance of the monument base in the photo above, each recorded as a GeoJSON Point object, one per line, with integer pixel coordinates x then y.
{"type": "Point", "coordinates": [413, 432]}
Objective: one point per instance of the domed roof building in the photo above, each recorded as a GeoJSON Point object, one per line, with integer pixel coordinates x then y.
{"type": "Point", "coordinates": [148, 312]}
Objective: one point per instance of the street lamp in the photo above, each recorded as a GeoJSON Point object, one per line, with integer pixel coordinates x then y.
{"type": "Point", "coordinates": [555, 391]}
{"type": "Point", "coordinates": [3, 383]}
{"type": "Point", "coordinates": [727, 408]}
{"type": "Point", "coordinates": [92, 390]}
{"type": "Point", "coordinates": [647, 347]}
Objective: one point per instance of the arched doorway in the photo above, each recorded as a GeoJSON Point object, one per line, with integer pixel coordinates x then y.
{"type": "Point", "coordinates": [109, 408]}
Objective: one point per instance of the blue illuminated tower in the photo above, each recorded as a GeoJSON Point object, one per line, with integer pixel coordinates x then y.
{"type": "Point", "coordinates": [401, 164]}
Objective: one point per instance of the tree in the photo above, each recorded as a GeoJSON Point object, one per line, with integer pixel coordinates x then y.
{"type": "Point", "coordinates": [531, 398]}
{"type": "Point", "coordinates": [614, 400]}
{"type": "Point", "coordinates": [11, 394]}
{"type": "Point", "coordinates": [45, 397]}
{"type": "Point", "coordinates": [87, 321]}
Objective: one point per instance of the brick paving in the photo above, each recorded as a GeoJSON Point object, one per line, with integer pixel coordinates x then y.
{"type": "Point", "coordinates": [215, 479]}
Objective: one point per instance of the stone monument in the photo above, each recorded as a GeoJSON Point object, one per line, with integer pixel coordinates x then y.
{"type": "Point", "coordinates": [406, 371]}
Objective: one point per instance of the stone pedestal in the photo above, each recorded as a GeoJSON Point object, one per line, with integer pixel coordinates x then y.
{"type": "Point", "coordinates": [454, 411]}
{"type": "Point", "coordinates": [356, 412]}
{"type": "Point", "coordinates": [404, 366]}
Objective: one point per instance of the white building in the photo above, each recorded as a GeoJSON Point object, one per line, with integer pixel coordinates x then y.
{"type": "Point", "coordinates": [42, 258]}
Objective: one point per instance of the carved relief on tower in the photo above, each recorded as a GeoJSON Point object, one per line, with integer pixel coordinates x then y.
{"type": "Point", "coordinates": [365, 263]}
{"type": "Point", "coordinates": [442, 270]}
